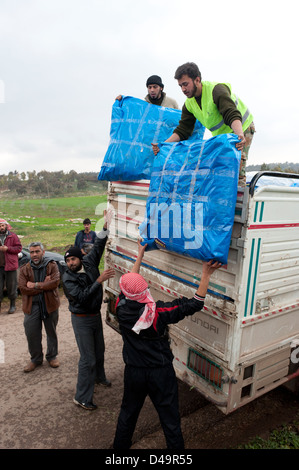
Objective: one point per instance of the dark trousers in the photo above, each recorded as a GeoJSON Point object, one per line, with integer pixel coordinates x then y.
{"type": "Point", "coordinates": [90, 340]}
{"type": "Point", "coordinates": [161, 386]}
{"type": "Point", "coordinates": [8, 278]}
{"type": "Point", "coordinates": [33, 330]}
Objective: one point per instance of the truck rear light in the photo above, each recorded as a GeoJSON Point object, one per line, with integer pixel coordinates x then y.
{"type": "Point", "coordinates": [205, 368]}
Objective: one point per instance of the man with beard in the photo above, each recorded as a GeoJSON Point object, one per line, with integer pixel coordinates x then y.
{"type": "Point", "coordinates": [216, 107]}
{"type": "Point", "coordinates": [38, 283]}
{"type": "Point", "coordinates": [82, 283]}
{"type": "Point", "coordinates": [156, 95]}
{"type": "Point", "coordinates": [10, 247]}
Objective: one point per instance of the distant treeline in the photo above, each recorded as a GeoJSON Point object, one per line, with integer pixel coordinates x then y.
{"type": "Point", "coordinates": [50, 183]}
{"type": "Point", "coordinates": [58, 183]}
{"type": "Point", "coordinates": [286, 167]}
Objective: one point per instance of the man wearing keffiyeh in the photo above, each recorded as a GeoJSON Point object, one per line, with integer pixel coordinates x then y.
{"type": "Point", "coordinates": [147, 354]}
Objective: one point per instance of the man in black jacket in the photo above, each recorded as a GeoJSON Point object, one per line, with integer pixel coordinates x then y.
{"type": "Point", "coordinates": [147, 354]}
{"type": "Point", "coordinates": [82, 284]}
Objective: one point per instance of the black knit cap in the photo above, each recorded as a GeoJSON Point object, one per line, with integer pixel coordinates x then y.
{"type": "Point", "coordinates": [73, 251]}
{"type": "Point", "coordinates": [154, 80]}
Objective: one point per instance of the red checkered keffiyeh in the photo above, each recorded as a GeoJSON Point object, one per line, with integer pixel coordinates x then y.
{"type": "Point", "coordinates": [134, 287]}
{"type": "Point", "coordinates": [3, 221]}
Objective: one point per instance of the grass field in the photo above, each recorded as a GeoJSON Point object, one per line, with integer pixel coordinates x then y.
{"type": "Point", "coordinates": [54, 222]}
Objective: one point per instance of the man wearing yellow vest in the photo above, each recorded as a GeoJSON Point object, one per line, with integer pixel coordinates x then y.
{"type": "Point", "coordinates": [216, 107]}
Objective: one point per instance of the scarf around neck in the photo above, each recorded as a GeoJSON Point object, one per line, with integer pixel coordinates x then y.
{"type": "Point", "coordinates": [40, 272]}
{"type": "Point", "coordinates": [134, 287]}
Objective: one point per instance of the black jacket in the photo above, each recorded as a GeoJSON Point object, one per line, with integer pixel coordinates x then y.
{"type": "Point", "coordinates": [83, 292]}
{"type": "Point", "coordinates": [150, 348]}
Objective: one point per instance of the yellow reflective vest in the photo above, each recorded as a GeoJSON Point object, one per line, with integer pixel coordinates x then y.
{"type": "Point", "coordinates": [208, 113]}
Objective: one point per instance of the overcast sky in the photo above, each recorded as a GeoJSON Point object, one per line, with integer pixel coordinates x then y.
{"type": "Point", "coordinates": [63, 62]}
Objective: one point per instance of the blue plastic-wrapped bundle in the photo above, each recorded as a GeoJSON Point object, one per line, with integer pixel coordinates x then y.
{"type": "Point", "coordinates": [135, 125]}
{"type": "Point", "coordinates": [192, 196]}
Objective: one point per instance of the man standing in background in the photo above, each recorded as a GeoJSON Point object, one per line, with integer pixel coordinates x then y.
{"type": "Point", "coordinates": [85, 237]}
{"type": "Point", "coordinates": [38, 283]}
{"type": "Point", "coordinates": [10, 247]}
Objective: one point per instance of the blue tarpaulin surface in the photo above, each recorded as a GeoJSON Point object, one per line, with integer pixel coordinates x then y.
{"type": "Point", "coordinates": [135, 125]}
{"type": "Point", "coordinates": [192, 196]}
{"type": "Point", "coordinates": [193, 184]}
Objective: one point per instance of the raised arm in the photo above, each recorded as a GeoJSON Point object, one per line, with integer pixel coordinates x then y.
{"type": "Point", "coordinates": [176, 310]}
{"type": "Point", "coordinates": [208, 268]}
{"type": "Point", "coordinates": [137, 264]}
{"type": "Point", "coordinates": [95, 255]}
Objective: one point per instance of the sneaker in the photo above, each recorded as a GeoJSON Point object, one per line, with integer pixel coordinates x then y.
{"type": "Point", "coordinates": [87, 406]}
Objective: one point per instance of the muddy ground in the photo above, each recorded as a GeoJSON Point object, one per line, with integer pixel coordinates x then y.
{"type": "Point", "coordinates": [37, 411]}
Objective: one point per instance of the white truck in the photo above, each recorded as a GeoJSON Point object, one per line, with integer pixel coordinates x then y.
{"type": "Point", "coordinates": [245, 342]}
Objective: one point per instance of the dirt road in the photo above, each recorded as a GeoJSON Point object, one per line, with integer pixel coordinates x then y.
{"type": "Point", "coordinates": [37, 411]}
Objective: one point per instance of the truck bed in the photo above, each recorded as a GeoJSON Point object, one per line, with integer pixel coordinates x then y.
{"type": "Point", "coordinates": [239, 345]}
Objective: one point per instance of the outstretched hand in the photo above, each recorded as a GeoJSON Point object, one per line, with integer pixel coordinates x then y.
{"type": "Point", "coordinates": [137, 264]}
{"type": "Point", "coordinates": [208, 267]}
{"type": "Point", "coordinates": [141, 248]}
{"type": "Point", "coordinates": [108, 214]}
{"type": "Point", "coordinates": [241, 143]}
{"type": "Point", "coordinates": [107, 274]}
{"type": "Point", "coordinates": [156, 149]}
